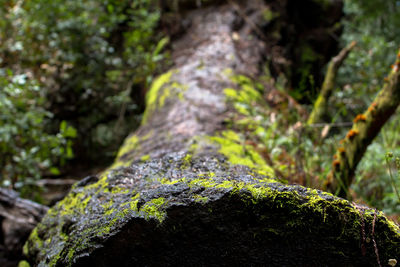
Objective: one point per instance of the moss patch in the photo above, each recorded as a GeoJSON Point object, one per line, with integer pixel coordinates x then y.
{"type": "Point", "coordinates": [153, 209]}
{"type": "Point", "coordinates": [23, 264]}
{"type": "Point", "coordinates": [130, 144]}
{"type": "Point", "coordinates": [233, 147]}
{"type": "Point", "coordinates": [161, 90]}
{"type": "Point", "coordinates": [153, 94]}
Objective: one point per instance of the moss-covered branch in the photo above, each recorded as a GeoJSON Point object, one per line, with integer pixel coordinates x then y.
{"type": "Point", "coordinates": [320, 109]}
{"type": "Point", "coordinates": [365, 128]}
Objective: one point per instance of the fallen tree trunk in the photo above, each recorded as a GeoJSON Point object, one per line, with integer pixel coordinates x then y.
{"type": "Point", "coordinates": [187, 189]}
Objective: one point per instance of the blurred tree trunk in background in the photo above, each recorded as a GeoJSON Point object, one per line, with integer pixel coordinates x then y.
{"type": "Point", "coordinates": [320, 109]}
{"type": "Point", "coordinates": [365, 128]}
{"type": "Point", "coordinates": [17, 219]}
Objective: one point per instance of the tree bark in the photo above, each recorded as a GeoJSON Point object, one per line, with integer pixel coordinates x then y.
{"type": "Point", "coordinates": [187, 188]}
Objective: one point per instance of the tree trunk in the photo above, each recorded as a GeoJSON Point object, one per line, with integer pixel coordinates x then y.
{"type": "Point", "coordinates": [188, 188]}
{"type": "Point", "coordinates": [320, 111]}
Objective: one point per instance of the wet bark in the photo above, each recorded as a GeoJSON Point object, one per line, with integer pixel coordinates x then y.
{"type": "Point", "coordinates": [187, 188]}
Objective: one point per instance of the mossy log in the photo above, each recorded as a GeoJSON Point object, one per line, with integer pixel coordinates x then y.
{"type": "Point", "coordinates": [365, 128]}
{"type": "Point", "coordinates": [320, 109]}
{"type": "Point", "coordinates": [187, 189]}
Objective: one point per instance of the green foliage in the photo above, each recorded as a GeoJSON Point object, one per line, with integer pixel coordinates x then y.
{"type": "Point", "coordinates": [90, 57]}
{"type": "Point", "coordinates": [389, 157]}
{"type": "Point", "coordinates": [373, 24]}
{"type": "Point", "coordinates": [27, 150]}
{"type": "Point", "coordinates": [375, 182]}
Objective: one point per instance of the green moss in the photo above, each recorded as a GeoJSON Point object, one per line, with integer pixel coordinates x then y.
{"type": "Point", "coordinates": [23, 264]}
{"type": "Point", "coordinates": [25, 249]}
{"type": "Point", "coordinates": [129, 145]}
{"type": "Point", "coordinates": [202, 182]}
{"type": "Point", "coordinates": [165, 94]}
{"type": "Point", "coordinates": [231, 93]}
{"type": "Point", "coordinates": [120, 190]}
{"type": "Point", "coordinates": [172, 181]}
{"type": "Point", "coordinates": [162, 89]}
{"type": "Point", "coordinates": [233, 147]}
{"type": "Point", "coordinates": [241, 79]}
{"type": "Point", "coordinates": [187, 161]}
{"type": "Point", "coordinates": [35, 239]}
{"type": "Point", "coordinates": [74, 203]}
{"type": "Point", "coordinates": [193, 147]}
{"type": "Point", "coordinates": [259, 192]}
{"type": "Point", "coordinates": [153, 209]}
{"type": "Point", "coordinates": [226, 184]}
{"type": "Point", "coordinates": [153, 93]}
{"type": "Point", "coordinates": [145, 158]}
{"type": "Point", "coordinates": [107, 207]}
{"type": "Point", "coordinates": [133, 205]}
{"type": "Point", "coordinates": [200, 199]}
{"type": "Point", "coordinates": [101, 184]}
{"type": "Point", "coordinates": [291, 198]}
{"type": "Point", "coordinates": [116, 218]}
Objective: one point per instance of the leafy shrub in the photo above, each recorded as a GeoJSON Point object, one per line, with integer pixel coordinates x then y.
{"type": "Point", "coordinates": [27, 150]}
{"type": "Point", "coordinates": [373, 24]}
{"type": "Point", "coordinates": [90, 58]}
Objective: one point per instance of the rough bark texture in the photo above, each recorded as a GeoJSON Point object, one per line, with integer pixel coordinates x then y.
{"type": "Point", "coordinates": [365, 128]}
{"type": "Point", "coordinates": [320, 110]}
{"type": "Point", "coordinates": [188, 189]}
{"type": "Point", "coordinates": [17, 217]}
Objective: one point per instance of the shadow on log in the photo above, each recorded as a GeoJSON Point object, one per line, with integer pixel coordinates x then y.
{"type": "Point", "coordinates": [187, 189]}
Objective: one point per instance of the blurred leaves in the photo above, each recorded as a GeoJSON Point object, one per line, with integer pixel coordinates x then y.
{"type": "Point", "coordinates": [87, 56]}
{"type": "Point", "coordinates": [27, 150]}
{"type": "Point", "coordinates": [374, 25]}
{"type": "Point", "coordinates": [67, 69]}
